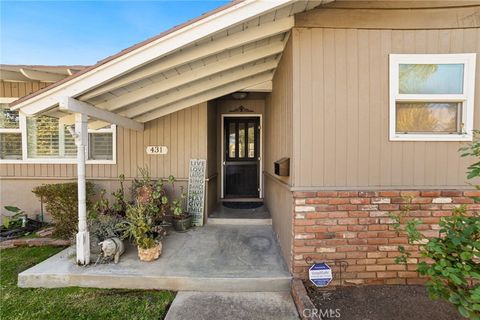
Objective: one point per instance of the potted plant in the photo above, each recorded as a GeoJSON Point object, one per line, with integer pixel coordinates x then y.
{"type": "Point", "coordinates": [182, 220]}
{"type": "Point", "coordinates": [151, 194]}
{"type": "Point", "coordinates": [144, 187]}
{"type": "Point", "coordinates": [139, 226]}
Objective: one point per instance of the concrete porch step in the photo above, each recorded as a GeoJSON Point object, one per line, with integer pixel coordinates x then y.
{"type": "Point", "coordinates": [240, 221]}
{"type": "Point", "coordinates": [240, 258]}
{"type": "Point", "coordinates": [254, 216]}
{"type": "Point", "coordinates": [232, 306]}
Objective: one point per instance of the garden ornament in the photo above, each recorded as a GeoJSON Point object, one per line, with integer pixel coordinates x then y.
{"type": "Point", "coordinates": [112, 248]}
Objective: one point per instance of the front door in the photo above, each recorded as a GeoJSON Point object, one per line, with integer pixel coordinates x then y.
{"type": "Point", "coordinates": [242, 156]}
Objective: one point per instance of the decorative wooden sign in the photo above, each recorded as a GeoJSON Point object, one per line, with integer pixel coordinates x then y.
{"type": "Point", "coordinates": [241, 109]}
{"type": "Point", "coordinates": [156, 150]}
{"type": "Point", "coordinates": [196, 190]}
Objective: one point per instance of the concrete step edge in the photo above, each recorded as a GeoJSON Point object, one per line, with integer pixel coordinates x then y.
{"type": "Point", "coordinates": [240, 221]}
{"type": "Point", "coordinates": [207, 284]}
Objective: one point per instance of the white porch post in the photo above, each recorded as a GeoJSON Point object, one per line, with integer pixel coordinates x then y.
{"type": "Point", "coordinates": [83, 237]}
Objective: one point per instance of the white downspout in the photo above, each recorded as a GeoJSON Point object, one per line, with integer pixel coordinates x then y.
{"type": "Point", "coordinates": [83, 236]}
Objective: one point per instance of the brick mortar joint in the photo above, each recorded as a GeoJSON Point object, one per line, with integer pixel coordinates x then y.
{"type": "Point", "coordinates": [352, 225]}
{"type": "Point", "coordinates": [379, 192]}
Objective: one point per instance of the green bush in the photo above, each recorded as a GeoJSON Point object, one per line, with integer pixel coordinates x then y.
{"type": "Point", "coordinates": [104, 226]}
{"type": "Point", "coordinates": [453, 258]}
{"type": "Point", "coordinates": [61, 202]}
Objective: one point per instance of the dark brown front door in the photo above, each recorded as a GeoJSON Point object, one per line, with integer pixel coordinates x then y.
{"type": "Point", "coordinates": [242, 154]}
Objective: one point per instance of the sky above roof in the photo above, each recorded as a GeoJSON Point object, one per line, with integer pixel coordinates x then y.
{"type": "Point", "coordinates": [84, 32]}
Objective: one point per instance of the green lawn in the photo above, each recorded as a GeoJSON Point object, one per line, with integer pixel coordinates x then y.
{"type": "Point", "coordinates": [70, 303]}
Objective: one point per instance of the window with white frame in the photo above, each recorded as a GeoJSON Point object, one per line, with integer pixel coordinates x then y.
{"type": "Point", "coordinates": [45, 139]}
{"type": "Point", "coordinates": [431, 97]}
{"type": "Point", "coordinates": [10, 134]}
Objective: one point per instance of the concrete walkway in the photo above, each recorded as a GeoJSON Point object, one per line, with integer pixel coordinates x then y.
{"type": "Point", "coordinates": [234, 306]}
{"type": "Point", "coordinates": [218, 258]}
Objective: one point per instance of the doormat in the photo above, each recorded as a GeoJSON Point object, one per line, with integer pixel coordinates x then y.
{"type": "Point", "coordinates": [242, 205]}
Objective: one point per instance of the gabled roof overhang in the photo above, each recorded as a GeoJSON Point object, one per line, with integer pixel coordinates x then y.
{"type": "Point", "coordinates": [24, 73]}
{"type": "Point", "coordinates": [230, 49]}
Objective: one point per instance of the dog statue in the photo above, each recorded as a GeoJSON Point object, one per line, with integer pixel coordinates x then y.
{"type": "Point", "coordinates": [112, 248]}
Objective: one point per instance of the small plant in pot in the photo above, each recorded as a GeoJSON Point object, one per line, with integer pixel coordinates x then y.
{"type": "Point", "coordinates": [139, 226]}
{"type": "Point", "coordinates": [182, 220]}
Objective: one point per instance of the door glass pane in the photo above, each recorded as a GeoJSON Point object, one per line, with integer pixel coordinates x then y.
{"type": "Point", "coordinates": [251, 140]}
{"type": "Point", "coordinates": [423, 117]}
{"type": "Point", "coordinates": [11, 146]}
{"type": "Point", "coordinates": [431, 78]}
{"type": "Point", "coordinates": [241, 140]}
{"type": "Point", "coordinates": [231, 140]}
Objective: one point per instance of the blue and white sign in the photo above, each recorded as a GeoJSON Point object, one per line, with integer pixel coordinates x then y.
{"type": "Point", "coordinates": [320, 274]}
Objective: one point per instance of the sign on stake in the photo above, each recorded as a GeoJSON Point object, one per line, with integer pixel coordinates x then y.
{"type": "Point", "coordinates": [320, 274]}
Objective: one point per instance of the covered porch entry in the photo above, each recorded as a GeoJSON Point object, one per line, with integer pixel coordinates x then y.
{"type": "Point", "coordinates": [147, 90]}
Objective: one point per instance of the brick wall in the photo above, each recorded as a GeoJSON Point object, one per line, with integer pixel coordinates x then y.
{"type": "Point", "coordinates": [352, 231]}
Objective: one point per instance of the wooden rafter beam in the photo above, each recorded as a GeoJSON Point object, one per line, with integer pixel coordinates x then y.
{"type": "Point", "coordinates": [262, 87]}
{"type": "Point", "coordinates": [76, 106]}
{"type": "Point", "coordinates": [196, 53]}
{"type": "Point", "coordinates": [92, 124]}
{"type": "Point", "coordinates": [98, 124]}
{"type": "Point", "coordinates": [8, 75]}
{"type": "Point", "coordinates": [41, 75]}
{"type": "Point", "coordinates": [199, 87]}
{"type": "Point", "coordinates": [191, 76]}
{"type": "Point", "coordinates": [205, 96]}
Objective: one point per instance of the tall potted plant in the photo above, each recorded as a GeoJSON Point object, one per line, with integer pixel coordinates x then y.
{"type": "Point", "coordinates": [151, 194]}
{"type": "Point", "coordinates": [140, 227]}
{"type": "Point", "coordinates": [182, 220]}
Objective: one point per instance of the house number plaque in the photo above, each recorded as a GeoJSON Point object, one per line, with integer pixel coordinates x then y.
{"type": "Point", "coordinates": [156, 150]}
{"type": "Point", "coordinates": [196, 190]}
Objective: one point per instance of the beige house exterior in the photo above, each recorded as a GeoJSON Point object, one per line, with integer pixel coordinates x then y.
{"type": "Point", "coordinates": [318, 77]}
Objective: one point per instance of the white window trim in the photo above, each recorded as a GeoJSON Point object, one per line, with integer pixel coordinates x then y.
{"type": "Point", "coordinates": [26, 160]}
{"type": "Point", "coordinates": [19, 130]}
{"type": "Point", "coordinates": [467, 98]}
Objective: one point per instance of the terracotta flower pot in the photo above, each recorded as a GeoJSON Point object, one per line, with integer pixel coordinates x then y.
{"type": "Point", "coordinates": [150, 254]}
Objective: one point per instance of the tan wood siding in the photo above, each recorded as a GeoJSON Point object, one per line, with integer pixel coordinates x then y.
{"type": "Point", "coordinates": [279, 201]}
{"type": "Point", "coordinates": [278, 116]}
{"type": "Point", "coordinates": [278, 136]}
{"type": "Point", "coordinates": [397, 4]}
{"type": "Point", "coordinates": [183, 132]}
{"type": "Point", "coordinates": [20, 89]}
{"type": "Point", "coordinates": [390, 18]}
{"type": "Point", "coordinates": [341, 110]}
{"type": "Point", "coordinates": [212, 162]}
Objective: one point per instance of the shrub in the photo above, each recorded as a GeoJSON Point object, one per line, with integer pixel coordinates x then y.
{"type": "Point", "coordinates": [453, 257]}
{"type": "Point", "coordinates": [453, 268]}
{"type": "Point", "coordinates": [152, 195]}
{"type": "Point", "coordinates": [140, 228]}
{"type": "Point", "coordinates": [120, 204]}
{"type": "Point", "coordinates": [61, 202]}
{"type": "Point", "coordinates": [104, 226]}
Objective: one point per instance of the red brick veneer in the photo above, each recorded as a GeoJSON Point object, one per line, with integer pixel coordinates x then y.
{"type": "Point", "coordinates": [353, 228]}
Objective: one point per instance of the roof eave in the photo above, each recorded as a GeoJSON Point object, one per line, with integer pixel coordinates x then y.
{"type": "Point", "coordinates": [127, 60]}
